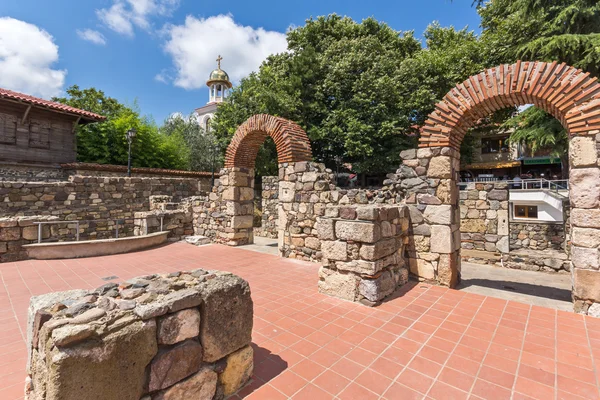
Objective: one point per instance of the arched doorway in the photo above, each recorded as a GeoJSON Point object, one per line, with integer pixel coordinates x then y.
{"type": "Point", "coordinates": [571, 96]}
{"type": "Point", "coordinates": [237, 178]}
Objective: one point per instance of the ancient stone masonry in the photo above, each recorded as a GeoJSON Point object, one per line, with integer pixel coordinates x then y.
{"type": "Point", "coordinates": [165, 215]}
{"type": "Point", "coordinates": [362, 250]}
{"type": "Point", "coordinates": [17, 231]}
{"type": "Point", "coordinates": [269, 199]}
{"type": "Point", "coordinates": [484, 223]}
{"type": "Point", "coordinates": [431, 196]}
{"type": "Point", "coordinates": [172, 336]}
{"type": "Point", "coordinates": [537, 236]}
{"type": "Point", "coordinates": [304, 192]}
{"type": "Point", "coordinates": [237, 196]}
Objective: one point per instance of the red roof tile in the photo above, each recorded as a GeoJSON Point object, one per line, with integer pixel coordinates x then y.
{"type": "Point", "coordinates": [35, 101]}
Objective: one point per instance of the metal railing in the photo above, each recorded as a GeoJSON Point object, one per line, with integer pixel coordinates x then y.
{"type": "Point", "coordinates": [555, 185]}
{"type": "Point", "coordinates": [77, 223]}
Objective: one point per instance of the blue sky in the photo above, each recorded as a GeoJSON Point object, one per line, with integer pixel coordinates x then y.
{"type": "Point", "coordinates": [159, 52]}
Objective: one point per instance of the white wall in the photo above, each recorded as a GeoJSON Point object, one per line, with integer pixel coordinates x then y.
{"type": "Point", "coordinates": [549, 207]}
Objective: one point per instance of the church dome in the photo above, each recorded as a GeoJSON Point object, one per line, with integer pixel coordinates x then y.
{"type": "Point", "coordinates": [219, 76]}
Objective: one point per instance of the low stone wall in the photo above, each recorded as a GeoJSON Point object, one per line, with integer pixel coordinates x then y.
{"type": "Point", "coordinates": [537, 236]}
{"type": "Point", "coordinates": [158, 337]}
{"type": "Point", "coordinates": [269, 200]}
{"type": "Point", "coordinates": [484, 223]}
{"type": "Point", "coordinates": [18, 231]}
{"type": "Point", "coordinates": [363, 252]}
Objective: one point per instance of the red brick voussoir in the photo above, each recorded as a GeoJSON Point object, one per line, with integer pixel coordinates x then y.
{"type": "Point", "coordinates": [569, 94]}
{"type": "Point", "coordinates": [291, 141]}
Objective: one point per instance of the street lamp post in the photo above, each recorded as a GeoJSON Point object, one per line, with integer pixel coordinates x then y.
{"type": "Point", "coordinates": [130, 135]}
{"type": "Point", "coordinates": [214, 149]}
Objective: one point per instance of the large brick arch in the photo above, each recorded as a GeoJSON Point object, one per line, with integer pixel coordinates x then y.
{"type": "Point", "coordinates": [570, 95]}
{"type": "Point", "coordinates": [291, 141]}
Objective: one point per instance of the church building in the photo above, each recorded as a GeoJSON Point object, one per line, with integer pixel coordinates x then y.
{"type": "Point", "coordinates": [218, 84]}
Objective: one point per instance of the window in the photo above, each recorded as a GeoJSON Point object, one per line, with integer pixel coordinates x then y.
{"type": "Point", "coordinates": [8, 129]}
{"type": "Point", "coordinates": [39, 134]}
{"type": "Point", "coordinates": [207, 126]}
{"type": "Point", "coordinates": [523, 211]}
{"type": "Point", "coordinates": [494, 145]}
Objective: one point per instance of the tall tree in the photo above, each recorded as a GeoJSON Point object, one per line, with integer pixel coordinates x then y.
{"type": "Point", "coordinates": [340, 81]}
{"type": "Point", "coordinates": [106, 142]}
{"type": "Point", "coordinates": [199, 149]}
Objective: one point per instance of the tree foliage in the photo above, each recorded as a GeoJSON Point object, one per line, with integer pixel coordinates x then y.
{"type": "Point", "coordinates": [106, 142]}
{"type": "Point", "coordinates": [198, 149]}
{"type": "Point", "coordinates": [356, 88]}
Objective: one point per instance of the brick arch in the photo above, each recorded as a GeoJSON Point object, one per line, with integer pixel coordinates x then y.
{"type": "Point", "coordinates": [569, 94]}
{"type": "Point", "coordinates": [291, 141]}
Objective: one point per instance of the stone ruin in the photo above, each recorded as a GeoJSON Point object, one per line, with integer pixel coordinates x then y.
{"type": "Point", "coordinates": [363, 252]}
{"type": "Point", "coordinates": [170, 336]}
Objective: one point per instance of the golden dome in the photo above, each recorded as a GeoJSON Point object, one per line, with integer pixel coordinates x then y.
{"type": "Point", "coordinates": [219, 76]}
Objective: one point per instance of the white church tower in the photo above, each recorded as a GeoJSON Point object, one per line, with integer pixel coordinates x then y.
{"type": "Point", "coordinates": [218, 84]}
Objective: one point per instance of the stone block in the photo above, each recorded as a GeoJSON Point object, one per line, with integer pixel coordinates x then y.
{"type": "Point", "coordinates": [584, 188]}
{"type": "Point", "coordinates": [447, 270]}
{"type": "Point", "coordinates": [473, 226]}
{"type": "Point", "coordinates": [242, 221]}
{"type": "Point", "coordinates": [585, 237]}
{"type": "Point", "coordinates": [368, 213]}
{"type": "Point", "coordinates": [312, 243]}
{"type": "Point", "coordinates": [177, 327]}
{"type": "Point", "coordinates": [347, 212]}
{"type": "Point", "coordinates": [310, 176]}
{"type": "Point", "coordinates": [91, 369]}
{"type": "Point", "coordinates": [201, 385]}
{"type": "Point", "coordinates": [246, 194]}
{"type": "Point", "coordinates": [422, 268]}
{"type": "Point", "coordinates": [378, 250]}
{"type": "Point", "coordinates": [586, 284]}
{"type": "Point", "coordinates": [586, 258]}
{"type": "Point", "coordinates": [10, 234]}
{"type": "Point", "coordinates": [367, 267]}
{"type": "Point", "coordinates": [343, 286]}
{"type": "Point", "coordinates": [287, 191]}
{"type": "Point", "coordinates": [440, 167]}
{"type": "Point", "coordinates": [408, 154]}
{"type": "Point", "coordinates": [326, 229]}
{"type": "Point", "coordinates": [585, 218]}
{"type": "Point", "coordinates": [358, 231]}
{"type": "Point", "coordinates": [582, 152]}
{"type": "Point", "coordinates": [173, 364]}
{"type": "Point", "coordinates": [226, 316]}
{"type": "Point", "coordinates": [379, 288]}
{"type": "Point", "coordinates": [498, 194]}
{"type": "Point", "coordinates": [441, 215]}
{"type": "Point", "coordinates": [503, 225]}
{"type": "Point", "coordinates": [334, 250]}
{"type": "Point", "coordinates": [238, 370]}
{"type": "Point", "coordinates": [441, 239]}
{"type": "Point", "coordinates": [503, 244]}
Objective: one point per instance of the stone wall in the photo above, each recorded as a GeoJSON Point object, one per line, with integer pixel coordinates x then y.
{"type": "Point", "coordinates": [269, 198]}
{"type": "Point", "coordinates": [158, 337]}
{"type": "Point", "coordinates": [18, 231]}
{"type": "Point", "coordinates": [305, 189]}
{"type": "Point", "coordinates": [363, 251]}
{"type": "Point", "coordinates": [537, 236]}
{"type": "Point", "coordinates": [484, 223]}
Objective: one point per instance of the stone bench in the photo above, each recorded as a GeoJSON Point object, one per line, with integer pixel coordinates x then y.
{"type": "Point", "coordinates": [158, 337]}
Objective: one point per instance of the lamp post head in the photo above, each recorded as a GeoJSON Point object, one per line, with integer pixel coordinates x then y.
{"type": "Point", "coordinates": [131, 134]}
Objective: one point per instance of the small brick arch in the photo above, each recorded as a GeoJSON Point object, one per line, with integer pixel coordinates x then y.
{"type": "Point", "coordinates": [291, 141]}
{"type": "Point", "coordinates": [569, 94]}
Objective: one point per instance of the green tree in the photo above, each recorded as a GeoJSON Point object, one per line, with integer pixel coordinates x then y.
{"type": "Point", "coordinates": [106, 142]}
{"type": "Point", "coordinates": [340, 81]}
{"type": "Point", "coordinates": [199, 148]}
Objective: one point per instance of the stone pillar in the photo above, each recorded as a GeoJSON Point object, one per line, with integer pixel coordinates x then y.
{"type": "Point", "coordinates": [304, 191]}
{"type": "Point", "coordinates": [363, 251]}
{"type": "Point", "coordinates": [238, 196]}
{"type": "Point", "coordinates": [584, 193]}
{"type": "Point", "coordinates": [429, 180]}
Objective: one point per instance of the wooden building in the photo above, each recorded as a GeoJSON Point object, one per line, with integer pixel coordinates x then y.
{"type": "Point", "coordinates": [38, 133]}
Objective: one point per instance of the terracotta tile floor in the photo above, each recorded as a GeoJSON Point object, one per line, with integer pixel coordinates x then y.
{"type": "Point", "coordinates": [429, 342]}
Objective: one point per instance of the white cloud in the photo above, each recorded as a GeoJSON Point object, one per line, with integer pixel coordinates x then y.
{"type": "Point", "coordinates": [124, 15]}
{"type": "Point", "coordinates": [195, 45]}
{"type": "Point", "coordinates": [27, 54]}
{"type": "Point", "coordinates": [92, 36]}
